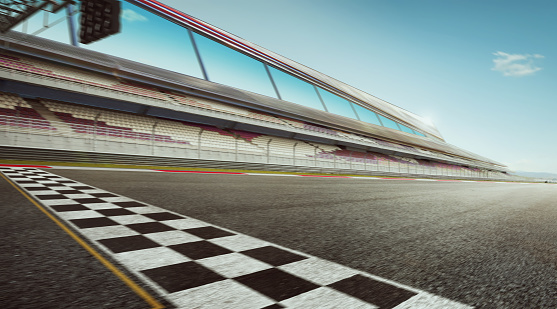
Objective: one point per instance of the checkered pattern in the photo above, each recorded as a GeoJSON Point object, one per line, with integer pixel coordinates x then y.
{"type": "Point", "coordinates": [194, 264]}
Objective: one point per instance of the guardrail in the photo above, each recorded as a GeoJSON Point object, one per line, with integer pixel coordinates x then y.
{"type": "Point", "coordinates": [32, 139]}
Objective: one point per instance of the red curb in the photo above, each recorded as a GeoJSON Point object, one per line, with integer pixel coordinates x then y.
{"type": "Point", "coordinates": [201, 172]}
{"type": "Point", "coordinates": [25, 165]}
{"type": "Point", "coordinates": [326, 176]}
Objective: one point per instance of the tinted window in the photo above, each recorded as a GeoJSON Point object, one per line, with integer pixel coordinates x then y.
{"type": "Point", "coordinates": [295, 90]}
{"type": "Point", "coordinates": [388, 123]}
{"type": "Point", "coordinates": [229, 67]}
{"type": "Point", "coordinates": [366, 115]}
{"type": "Point", "coordinates": [336, 104]}
{"type": "Point", "coordinates": [405, 129]}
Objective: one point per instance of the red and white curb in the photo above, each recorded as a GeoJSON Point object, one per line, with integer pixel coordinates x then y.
{"type": "Point", "coordinates": [255, 174]}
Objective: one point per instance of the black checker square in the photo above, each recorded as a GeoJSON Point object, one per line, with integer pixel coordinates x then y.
{"type": "Point", "coordinates": [55, 184]}
{"type": "Point", "coordinates": [77, 187]}
{"type": "Point", "coordinates": [149, 227]}
{"type": "Point", "coordinates": [128, 243]}
{"type": "Point", "coordinates": [179, 277]}
{"type": "Point", "coordinates": [274, 306]}
{"type": "Point", "coordinates": [42, 188]}
{"type": "Point", "coordinates": [161, 216]}
{"type": "Point", "coordinates": [93, 222]}
{"type": "Point", "coordinates": [129, 204]}
{"type": "Point", "coordinates": [104, 194]}
{"type": "Point", "coordinates": [91, 200]}
{"type": "Point", "coordinates": [208, 232]}
{"type": "Point", "coordinates": [65, 181]}
{"type": "Point", "coordinates": [26, 181]}
{"type": "Point", "coordinates": [372, 291]}
{"type": "Point", "coordinates": [273, 255]}
{"type": "Point", "coordinates": [199, 249]}
{"type": "Point", "coordinates": [276, 283]}
{"type": "Point", "coordinates": [51, 197]}
{"type": "Point", "coordinates": [17, 176]}
{"type": "Point", "coordinates": [70, 207]}
{"type": "Point", "coordinates": [115, 212]}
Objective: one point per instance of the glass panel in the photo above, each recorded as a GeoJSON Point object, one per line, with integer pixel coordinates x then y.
{"type": "Point", "coordinates": [295, 90]}
{"type": "Point", "coordinates": [405, 129]}
{"type": "Point", "coordinates": [147, 38]}
{"type": "Point", "coordinates": [419, 133]}
{"type": "Point", "coordinates": [229, 67]}
{"type": "Point", "coordinates": [57, 29]}
{"type": "Point", "coordinates": [388, 123]}
{"type": "Point", "coordinates": [366, 115]}
{"type": "Point", "coordinates": [336, 104]}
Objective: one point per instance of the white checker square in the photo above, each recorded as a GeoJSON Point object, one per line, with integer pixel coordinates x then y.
{"type": "Point", "coordinates": [115, 199]}
{"type": "Point", "coordinates": [168, 238]}
{"type": "Point", "coordinates": [79, 196]}
{"type": "Point", "coordinates": [150, 258]}
{"type": "Point", "coordinates": [60, 187]}
{"type": "Point", "coordinates": [80, 214]}
{"type": "Point", "coordinates": [319, 271]}
{"type": "Point", "coordinates": [186, 223]}
{"type": "Point", "coordinates": [104, 232]}
{"type": "Point", "coordinates": [98, 206]}
{"type": "Point", "coordinates": [233, 264]}
{"type": "Point", "coordinates": [239, 242]}
{"type": "Point", "coordinates": [57, 202]}
{"type": "Point", "coordinates": [325, 298]}
{"type": "Point", "coordinates": [220, 294]}
{"type": "Point", "coordinates": [145, 210]}
{"type": "Point", "coordinates": [48, 182]}
{"type": "Point", "coordinates": [41, 192]}
{"type": "Point", "coordinates": [91, 191]}
{"type": "Point", "coordinates": [130, 219]}
{"type": "Point", "coordinates": [425, 300]}
{"type": "Point", "coordinates": [31, 185]}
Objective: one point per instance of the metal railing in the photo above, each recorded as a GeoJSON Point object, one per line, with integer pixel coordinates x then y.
{"type": "Point", "coordinates": [66, 136]}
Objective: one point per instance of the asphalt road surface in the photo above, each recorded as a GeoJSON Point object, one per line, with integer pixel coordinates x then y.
{"type": "Point", "coordinates": [487, 245]}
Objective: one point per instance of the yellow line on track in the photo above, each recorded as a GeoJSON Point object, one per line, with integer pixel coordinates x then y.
{"type": "Point", "coordinates": [136, 288]}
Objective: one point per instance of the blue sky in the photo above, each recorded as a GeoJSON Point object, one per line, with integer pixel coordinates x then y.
{"type": "Point", "coordinates": [484, 71]}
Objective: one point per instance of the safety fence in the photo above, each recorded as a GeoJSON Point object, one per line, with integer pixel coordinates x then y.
{"type": "Point", "coordinates": [60, 141]}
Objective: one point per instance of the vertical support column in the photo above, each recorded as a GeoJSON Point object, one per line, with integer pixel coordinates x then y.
{"type": "Point", "coordinates": [71, 25]}
{"type": "Point", "coordinates": [320, 98]}
{"type": "Point", "coordinates": [95, 131]}
{"type": "Point", "coordinates": [272, 81]}
{"type": "Point", "coordinates": [315, 156]}
{"type": "Point", "coordinates": [294, 153]}
{"type": "Point", "coordinates": [236, 148]}
{"type": "Point", "coordinates": [269, 149]}
{"type": "Point", "coordinates": [198, 55]}
{"type": "Point", "coordinates": [153, 138]}
{"type": "Point", "coordinates": [199, 143]}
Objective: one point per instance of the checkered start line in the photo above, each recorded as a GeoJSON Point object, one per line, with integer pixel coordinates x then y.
{"type": "Point", "coordinates": [194, 264]}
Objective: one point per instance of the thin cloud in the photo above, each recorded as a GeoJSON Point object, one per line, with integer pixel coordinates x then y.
{"type": "Point", "coordinates": [515, 64]}
{"type": "Point", "coordinates": [131, 16]}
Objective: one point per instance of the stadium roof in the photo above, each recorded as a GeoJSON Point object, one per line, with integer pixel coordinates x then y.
{"type": "Point", "coordinates": [312, 76]}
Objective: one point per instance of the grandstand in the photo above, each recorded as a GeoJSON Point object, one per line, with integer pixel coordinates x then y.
{"type": "Point", "coordinates": [240, 105]}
